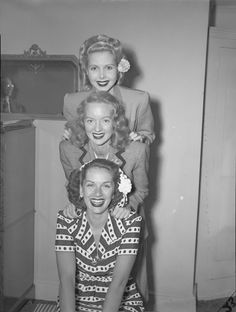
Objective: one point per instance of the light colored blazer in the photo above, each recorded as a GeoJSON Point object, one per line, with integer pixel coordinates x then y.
{"type": "Point", "coordinates": [134, 160]}
{"type": "Point", "coordinates": [137, 109]}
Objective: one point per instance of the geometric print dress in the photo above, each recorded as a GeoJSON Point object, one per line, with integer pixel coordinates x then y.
{"type": "Point", "coordinates": [94, 266]}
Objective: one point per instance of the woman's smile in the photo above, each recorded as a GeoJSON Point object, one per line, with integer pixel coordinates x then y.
{"type": "Point", "coordinates": [97, 190]}
{"type": "Point", "coordinates": [97, 202]}
{"type": "Point", "coordinates": [102, 70]}
{"type": "Point", "coordinates": [102, 83]}
{"type": "Point", "coordinates": [98, 122]}
{"type": "Point", "coordinates": [98, 136]}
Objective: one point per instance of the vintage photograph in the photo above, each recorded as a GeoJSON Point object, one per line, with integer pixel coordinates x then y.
{"type": "Point", "coordinates": [118, 156]}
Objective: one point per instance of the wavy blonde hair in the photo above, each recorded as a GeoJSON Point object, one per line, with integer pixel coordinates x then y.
{"type": "Point", "coordinates": [120, 136]}
{"type": "Point", "coordinates": [98, 43]}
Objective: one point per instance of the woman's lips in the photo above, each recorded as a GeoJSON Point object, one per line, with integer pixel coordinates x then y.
{"type": "Point", "coordinates": [98, 135]}
{"type": "Point", "coordinates": [97, 202]}
{"type": "Point", "coordinates": [103, 83]}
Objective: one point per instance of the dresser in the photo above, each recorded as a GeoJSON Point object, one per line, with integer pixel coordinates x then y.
{"type": "Point", "coordinates": [17, 213]}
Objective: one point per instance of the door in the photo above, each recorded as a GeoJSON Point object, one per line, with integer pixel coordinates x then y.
{"type": "Point", "coordinates": [215, 266]}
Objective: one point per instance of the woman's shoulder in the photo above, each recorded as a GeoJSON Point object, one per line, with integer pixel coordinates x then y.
{"type": "Point", "coordinates": [64, 221]}
{"type": "Point", "coordinates": [66, 145]}
{"type": "Point", "coordinates": [69, 222]}
{"type": "Point", "coordinates": [134, 220]}
{"type": "Point", "coordinates": [132, 92]}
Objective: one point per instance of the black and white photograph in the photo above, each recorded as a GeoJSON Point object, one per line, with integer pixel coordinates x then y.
{"type": "Point", "coordinates": [118, 156]}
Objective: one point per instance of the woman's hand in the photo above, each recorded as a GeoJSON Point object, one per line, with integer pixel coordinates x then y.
{"type": "Point", "coordinates": [70, 212]}
{"type": "Point", "coordinates": [121, 213]}
{"type": "Point", "coordinates": [67, 134]}
{"type": "Point", "coordinates": [135, 136]}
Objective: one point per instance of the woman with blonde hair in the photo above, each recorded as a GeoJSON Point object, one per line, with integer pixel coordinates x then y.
{"type": "Point", "coordinates": [103, 65]}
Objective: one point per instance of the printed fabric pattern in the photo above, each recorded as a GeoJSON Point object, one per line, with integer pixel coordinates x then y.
{"type": "Point", "coordinates": [94, 266]}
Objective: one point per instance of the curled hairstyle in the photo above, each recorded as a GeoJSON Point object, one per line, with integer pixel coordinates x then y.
{"type": "Point", "coordinates": [78, 176]}
{"type": "Point", "coordinates": [98, 43]}
{"type": "Point", "coordinates": [120, 136]}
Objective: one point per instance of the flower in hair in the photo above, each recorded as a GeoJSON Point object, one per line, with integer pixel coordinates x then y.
{"type": "Point", "coordinates": [124, 186]}
{"type": "Point", "coordinates": [123, 66]}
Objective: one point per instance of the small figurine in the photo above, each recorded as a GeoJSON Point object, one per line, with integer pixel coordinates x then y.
{"type": "Point", "coordinates": [7, 88]}
{"type": "Point", "coordinates": [8, 104]}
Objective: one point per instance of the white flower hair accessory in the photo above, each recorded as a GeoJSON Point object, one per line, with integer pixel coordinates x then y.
{"type": "Point", "coordinates": [123, 66]}
{"type": "Point", "coordinates": [124, 186]}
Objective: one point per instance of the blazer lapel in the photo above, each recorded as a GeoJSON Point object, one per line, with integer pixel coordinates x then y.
{"type": "Point", "coordinates": [118, 158]}
{"type": "Point", "coordinates": [85, 156]}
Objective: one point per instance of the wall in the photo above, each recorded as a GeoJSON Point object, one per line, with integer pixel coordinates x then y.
{"type": "Point", "coordinates": [169, 43]}
{"type": "Point", "coordinates": [225, 16]}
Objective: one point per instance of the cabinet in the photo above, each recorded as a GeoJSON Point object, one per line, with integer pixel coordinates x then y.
{"type": "Point", "coordinates": [33, 89]}
{"type": "Point", "coordinates": [17, 214]}
{"type": "Point", "coordinates": [35, 82]}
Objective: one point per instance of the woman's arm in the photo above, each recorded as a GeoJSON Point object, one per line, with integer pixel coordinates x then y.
{"type": "Point", "coordinates": [139, 174]}
{"type": "Point", "coordinates": [66, 263]}
{"type": "Point", "coordinates": [69, 155]}
{"type": "Point", "coordinates": [128, 250]}
{"type": "Point", "coordinates": [120, 277]}
{"type": "Point", "coordinates": [144, 119]}
{"type": "Point", "coordinates": [66, 266]}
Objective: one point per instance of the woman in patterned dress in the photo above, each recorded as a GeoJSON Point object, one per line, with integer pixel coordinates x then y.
{"type": "Point", "coordinates": [95, 251]}
{"type": "Point", "coordinates": [101, 130]}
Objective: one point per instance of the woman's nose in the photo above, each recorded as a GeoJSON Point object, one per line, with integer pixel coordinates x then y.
{"type": "Point", "coordinates": [101, 73]}
{"type": "Point", "coordinates": [98, 191]}
{"type": "Point", "coordinates": [98, 126]}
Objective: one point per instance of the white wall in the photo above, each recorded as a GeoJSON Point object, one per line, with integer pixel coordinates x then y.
{"type": "Point", "coordinates": [169, 39]}
{"type": "Point", "coordinates": [225, 16]}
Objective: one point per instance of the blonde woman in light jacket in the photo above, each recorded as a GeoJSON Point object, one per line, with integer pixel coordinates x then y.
{"type": "Point", "coordinates": [102, 67]}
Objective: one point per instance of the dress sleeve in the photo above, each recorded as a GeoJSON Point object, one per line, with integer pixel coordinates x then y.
{"type": "Point", "coordinates": [64, 233]}
{"type": "Point", "coordinates": [130, 239]}
{"type": "Point", "coordinates": [145, 121]}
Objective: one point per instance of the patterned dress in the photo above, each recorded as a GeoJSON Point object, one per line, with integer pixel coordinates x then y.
{"type": "Point", "coordinates": [94, 266]}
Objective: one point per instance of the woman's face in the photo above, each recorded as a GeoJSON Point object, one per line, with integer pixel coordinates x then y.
{"type": "Point", "coordinates": [102, 70]}
{"type": "Point", "coordinates": [97, 189]}
{"type": "Point", "coordinates": [98, 122]}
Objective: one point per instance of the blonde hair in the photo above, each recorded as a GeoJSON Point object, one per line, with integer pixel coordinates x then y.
{"type": "Point", "coordinates": [120, 137]}
{"type": "Point", "coordinates": [98, 43]}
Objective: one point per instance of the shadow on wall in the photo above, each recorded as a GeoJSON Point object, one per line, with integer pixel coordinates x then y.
{"type": "Point", "coordinates": [135, 73]}
{"type": "Point", "coordinates": [130, 80]}
{"type": "Point", "coordinates": [152, 200]}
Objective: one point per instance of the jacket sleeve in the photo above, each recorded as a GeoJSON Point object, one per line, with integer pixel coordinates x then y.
{"type": "Point", "coordinates": [140, 177]}
{"type": "Point", "coordinates": [69, 109]}
{"type": "Point", "coordinates": [144, 119]}
{"type": "Point", "coordinates": [69, 155]}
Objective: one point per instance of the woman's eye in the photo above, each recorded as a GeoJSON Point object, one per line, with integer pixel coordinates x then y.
{"type": "Point", "coordinates": [89, 121]}
{"type": "Point", "coordinates": [93, 68]}
{"type": "Point", "coordinates": [107, 186]}
{"type": "Point", "coordinates": [89, 184]}
{"type": "Point", "coordinates": [110, 67]}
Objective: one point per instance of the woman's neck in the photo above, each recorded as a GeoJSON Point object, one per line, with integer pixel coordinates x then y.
{"type": "Point", "coordinates": [100, 151]}
{"type": "Point", "coordinates": [97, 221]}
